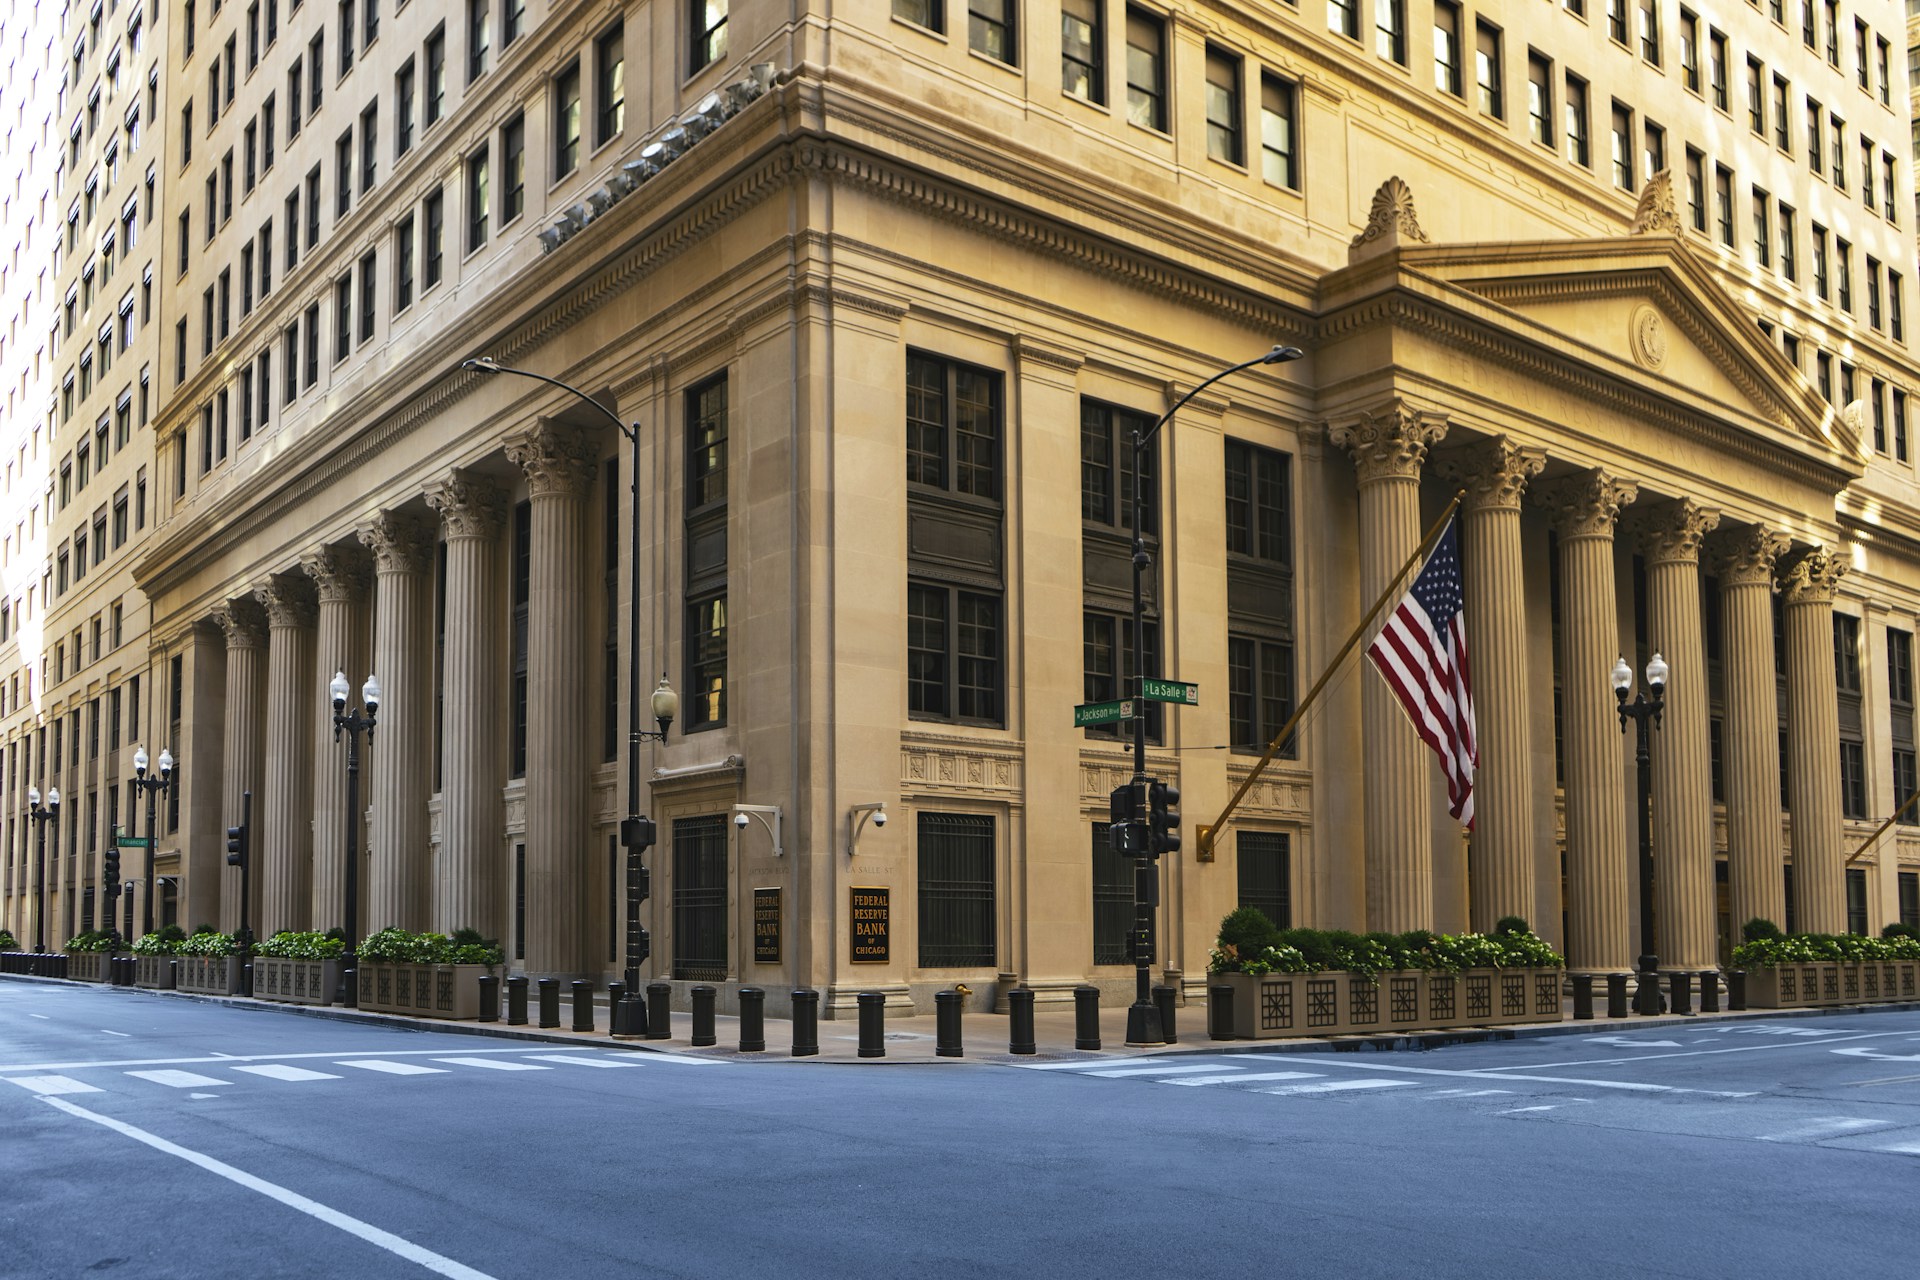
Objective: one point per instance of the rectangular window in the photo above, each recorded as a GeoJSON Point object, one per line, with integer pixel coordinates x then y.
{"type": "Point", "coordinates": [921, 13]}
{"type": "Point", "coordinates": [433, 210]}
{"type": "Point", "coordinates": [434, 104]}
{"type": "Point", "coordinates": [478, 199]}
{"type": "Point", "coordinates": [1837, 164]}
{"type": "Point", "coordinates": [610, 84]}
{"type": "Point", "coordinates": [709, 31]}
{"type": "Point", "coordinates": [1653, 150]}
{"type": "Point", "coordinates": [1486, 65]}
{"type": "Point", "coordinates": [1816, 149]}
{"type": "Point", "coordinates": [1873, 292]}
{"type": "Point", "coordinates": [342, 318]}
{"type": "Point", "coordinates": [1896, 306]}
{"type": "Point", "coordinates": [479, 37]}
{"type": "Point", "coordinates": [1723, 203]}
{"type": "Point", "coordinates": [1617, 21]}
{"type": "Point", "coordinates": [990, 29]}
{"type": "Point", "coordinates": [1756, 102]}
{"type": "Point", "coordinates": [956, 865]}
{"type": "Point", "coordinates": [1540, 98]}
{"type": "Point", "coordinates": [566, 121]}
{"type": "Point", "coordinates": [369, 139]}
{"type": "Point", "coordinates": [1390, 30]}
{"type": "Point", "coordinates": [1225, 132]}
{"type": "Point", "coordinates": [1107, 643]}
{"type": "Point", "coordinates": [368, 278]}
{"type": "Point", "coordinates": [1083, 38]}
{"type": "Point", "coordinates": [1343, 18]}
{"type": "Point", "coordinates": [513, 169]}
{"type": "Point", "coordinates": [1819, 237]}
{"type": "Point", "coordinates": [1446, 47]}
{"type": "Point", "coordinates": [1146, 70]}
{"type": "Point", "coordinates": [1579, 150]}
{"type": "Point", "coordinates": [403, 91]}
{"type": "Point", "coordinates": [342, 175]}
{"type": "Point", "coordinates": [1690, 49]}
{"type": "Point", "coordinates": [953, 427]}
{"type": "Point", "coordinates": [953, 654]}
{"type": "Point", "coordinates": [1260, 693]}
{"type": "Point", "coordinates": [1621, 135]}
{"type": "Point", "coordinates": [1279, 151]}
{"type": "Point", "coordinates": [1843, 270]}
{"type": "Point", "coordinates": [1789, 257]}
{"type": "Point", "coordinates": [1762, 227]}
{"type": "Point", "coordinates": [1717, 66]}
{"type": "Point", "coordinates": [1649, 28]}
{"type": "Point", "coordinates": [403, 264]}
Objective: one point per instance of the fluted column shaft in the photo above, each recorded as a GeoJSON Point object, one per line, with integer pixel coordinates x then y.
{"type": "Point", "coordinates": [1599, 872]}
{"type": "Point", "coordinates": [468, 891]}
{"type": "Point", "coordinates": [285, 849]}
{"type": "Point", "coordinates": [340, 577]}
{"type": "Point", "coordinates": [402, 753]}
{"type": "Point", "coordinates": [1682, 757]}
{"type": "Point", "coordinates": [1501, 868]}
{"type": "Point", "coordinates": [559, 468]}
{"type": "Point", "coordinates": [1813, 744]}
{"type": "Point", "coordinates": [1388, 449]}
{"type": "Point", "coordinates": [1755, 886]}
{"type": "Point", "coordinates": [242, 756]}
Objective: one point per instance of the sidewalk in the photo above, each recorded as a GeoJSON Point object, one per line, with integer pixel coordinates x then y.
{"type": "Point", "coordinates": [984, 1035]}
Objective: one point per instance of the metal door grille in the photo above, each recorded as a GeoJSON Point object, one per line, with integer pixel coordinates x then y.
{"type": "Point", "coordinates": [1265, 859]}
{"type": "Point", "coordinates": [1112, 900]}
{"type": "Point", "coordinates": [700, 899]}
{"type": "Point", "coordinates": [956, 891]}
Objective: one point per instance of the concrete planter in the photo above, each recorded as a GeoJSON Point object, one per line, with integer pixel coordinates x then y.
{"type": "Point", "coordinates": [155, 973]}
{"type": "Point", "coordinates": [1281, 1005]}
{"type": "Point", "coordinates": [423, 990]}
{"type": "Point", "coordinates": [295, 981]}
{"type": "Point", "coordinates": [210, 975]}
{"type": "Point", "coordinates": [1793, 986]}
{"type": "Point", "coordinates": [87, 966]}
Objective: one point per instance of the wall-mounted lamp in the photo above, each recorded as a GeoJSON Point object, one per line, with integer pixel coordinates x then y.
{"type": "Point", "coordinates": [857, 818]}
{"type": "Point", "coordinates": [769, 815]}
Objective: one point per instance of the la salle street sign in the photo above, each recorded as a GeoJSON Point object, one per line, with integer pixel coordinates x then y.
{"type": "Point", "coordinates": [1173, 691]}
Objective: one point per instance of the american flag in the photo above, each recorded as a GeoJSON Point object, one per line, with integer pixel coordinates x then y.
{"type": "Point", "coordinates": [1422, 653]}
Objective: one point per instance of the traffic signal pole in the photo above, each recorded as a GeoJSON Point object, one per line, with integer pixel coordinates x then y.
{"type": "Point", "coordinates": [240, 854]}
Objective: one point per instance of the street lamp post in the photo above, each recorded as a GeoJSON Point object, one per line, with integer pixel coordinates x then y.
{"type": "Point", "coordinates": [637, 832]}
{"type": "Point", "coordinates": [153, 787]}
{"type": "Point", "coordinates": [354, 724]}
{"type": "Point", "coordinates": [1645, 713]}
{"type": "Point", "coordinates": [1143, 1019]}
{"type": "Point", "coordinates": [43, 816]}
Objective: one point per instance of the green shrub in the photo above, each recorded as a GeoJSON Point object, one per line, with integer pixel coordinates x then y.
{"type": "Point", "coordinates": [291, 945]}
{"type": "Point", "coordinates": [1315, 950]}
{"type": "Point", "coordinates": [1898, 930]}
{"type": "Point", "coordinates": [1758, 929]}
{"type": "Point", "coordinates": [1507, 925]}
{"type": "Point", "coordinates": [1815, 948]}
{"type": "Point", "coordinates": [397, 946]}
{"type": "Point", "coordinates": [91, 940]}
{"type": "Point", "coordinates": [154, 944]}
{"type": "Point", "coordinates": [8, 942]}
{"type": "Point", "coordinates": [209, 943]}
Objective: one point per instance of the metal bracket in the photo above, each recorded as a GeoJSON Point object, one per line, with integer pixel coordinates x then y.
{"type": "Point", "coordinates": [769, 815]}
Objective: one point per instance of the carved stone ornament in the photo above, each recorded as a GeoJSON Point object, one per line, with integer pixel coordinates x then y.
{"type": "Point", "coordinates": [1656, 215]}
{"type": "Point", "coordinates": [400, 541]}
{"type": "Point", "coordinates": [1747, 557]}
{"type": "Point", "coordinates": [1390, 222]}
{"type": "Point", "coordinates": [1673, 531]}
{"type": "Point", "coordinates": [244, 621]}
{"type": "Point", "coordinates": [288, 599]}
{"type": "Point", "coordinates": [559, 461]}
{"type": "Point", "coordinates": [1647, 337]}
{"type": "Point", "coordinates": [1586, 505]}
{"type": "Point", "coordinates": [469, 505]}
{"type": "Point", "coordinates": [1495, 473]}
{"type": "Point", "coordinates": [340, 572]}
{"type": "Point", "coordinates": [1389, 444]}
{"type": "Point", "coordinates": [1812, 578]}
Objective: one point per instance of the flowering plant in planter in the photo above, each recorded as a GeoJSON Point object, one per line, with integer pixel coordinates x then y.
{"type": "Point", "coordinates": [398, 946]}
{"type": "Point", "coordinates": [1249, 943]}
{"type": "Point", "coordinates": [161, 942]}
{"type": "Point", "coordinates": [8, 942]}
{"type": "Point", "coordinates": [289, 944]}
{"type": "Point", "coordinates": [209, 943]}
{"type": "Point", "coordinates": [1816, 948]}
{"type": "Point", "coordinates": [91, 940]}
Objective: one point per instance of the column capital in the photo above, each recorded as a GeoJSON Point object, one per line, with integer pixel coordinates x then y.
{"type": "Point", "coordinates": [339, 571]}
{"type": "Point", "coordinates": [1586, 505]}
{"type": "Point", "coordinates": [1495, 473]}
{"type": "Point", "coordinates": [1812, 578]}
{"type": "Point", "coordinates": [244, 622]}
{"type": "Point", "coordinates": [559, 461]}
{"type": "Point", "coordinates": [1671, 532]}
{"type": "Point", "coordinates": [400, 541]}
{"type": "Point", "coordinates": [288, 599]}
{"type": "Point", "coordinates": [470, 506]}
{"type": "Point", "coordinates": [1389, 443]}
{"type": "Point", "coordinates": [1746, 557]}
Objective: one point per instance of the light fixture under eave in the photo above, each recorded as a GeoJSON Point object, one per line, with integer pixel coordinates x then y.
{"type": "Point", "coordinates": [762, 74]}
{"type": "Point", "coordinates": [579, 215]}
{"type": "Point", "coordinates": [551, 239]}
{"type": "Point", "coordinates": [641, 167]}
{"type": "Point", "coordinates": [600, 200]}
{"type": "Point", "coordinates": [710, 110]}
{"type": "Point", "coordinates": [674, 140]}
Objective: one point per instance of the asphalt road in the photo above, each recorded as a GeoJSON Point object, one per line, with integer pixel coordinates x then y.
{"type": "Point", "coordinates": [155, 1137]}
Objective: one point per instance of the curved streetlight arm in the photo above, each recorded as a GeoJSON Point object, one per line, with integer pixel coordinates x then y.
{"type": "Point", "coordinates": [1279, 355]}
{"type": "Point", "coordinates": [487, 364]}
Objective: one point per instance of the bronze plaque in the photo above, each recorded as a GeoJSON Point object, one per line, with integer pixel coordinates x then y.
{"type": "Point", "coordinates": [766, 926]}
{"type": "Point", "coordinates": [870, 922]}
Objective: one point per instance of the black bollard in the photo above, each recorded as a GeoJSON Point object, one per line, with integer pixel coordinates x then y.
{"type": "Point", "coordinates": [349, 982]}
{"type": "Point", "coordinates": [703, 1017]}
{"type": "Point", "coordinates": [1086, 1017]}
{"type": "Point", "coordinates": [1709, 991]}
{"type": "Point", "coordinates": [1020, 1021]}
{"type": "Point", "coordinates": [753, 1020]}
{"type": "Point", "coordinates": [1583, 997]}
{"type": "Point", "coordinates": [1616, 995]}
{"type": "Point", "coordinates": [806, 1023]}
{"type": "Point", "coordinates": [517, 1000]}
{"type": "Point", "coordinates": [659, 1011]}
{"type": "Point", "coordinates": [549, 1002]}
{"type": "Point", "coordinates": [1680, 991]}
{"type": "Point", "coordinates": [616, 992]}
{"type": "Point", "coordinates": [946, 1024]}
{"type": "Point", "coordinates": [873, 1024]}
{"type": "Point", "coordinates": [489, 998]}
{"type": "Point", "coordinates": [582, 1005]}
{"type": "Point", "coordinates": [1736, 990]}
{"type": "Point", "coordinates": [1220, 1012]}
{"type": "Point", "coordinates": [1163, 1001]}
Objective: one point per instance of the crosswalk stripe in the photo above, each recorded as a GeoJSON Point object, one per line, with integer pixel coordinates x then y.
{"type": "Point", "coordinates": [493, 1064]}
{"type": "Point", "coordinates": [1116, 1073]}
{"type": "Point", "coordinates": [277, 1071]}
{"type": "Point", "coordinates": [578, 1061]}
{"type": "Point", "coordinates": [393, 1068]}
{"type": "Point", "coordinates": [1332, 1086]}
{"type": "Point", "coordinates": [1244, 1076]}
{"type": "Point", "coordinates": [177, 1079]}
{"type": "Point", "coordinates": [50, 1086]}
{"type": "Point", "coordinates": [1902, 1148]}
{"type": "Point", "coordinates": [1081, 1065]}
{"type": "Point", "coordinates": [1824, 1127]}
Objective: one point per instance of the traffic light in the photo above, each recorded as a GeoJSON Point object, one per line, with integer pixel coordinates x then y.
{"type": "Point", "coordinates": [238, 840]}
{"type": "Point", "coordinates": [1126, 835]}
{"type": "Point", "coordinates": [113, 869]}
{"type": "Point", "coordinates": [638, 833]}
{"type": "Point", "coordinates": [1163, 820]}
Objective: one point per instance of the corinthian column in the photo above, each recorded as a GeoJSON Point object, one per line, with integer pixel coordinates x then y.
{"type": "Point", "coordinates": [402, 546]}
{"type": "Point", "coordinates": [285, 850]}
{"type": "Point", "coordinates": [340, 576]}
{"type": "Point", "coordinates": [1755, 886]}
{"type": "Point", "coordinates": [1670, 538]}
{"type": "Point", "coordinates": [1495, 475]}
{"type": "Point", "coordinates": [1813, 743]}
{"type": "Point", "coordinates": [1388, 449]}
{"type": "Point", "coordinates": [468, 890]}
{"type": "Point", "coordinates": [245, 625]}
{"type": "Point", "coordinates": [1584, 509]}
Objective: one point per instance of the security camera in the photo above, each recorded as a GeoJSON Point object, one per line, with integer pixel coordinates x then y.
{"type": "Point", "coordinates": [740, 820]}
{"type": "Point", "coordinates": [880, 818]}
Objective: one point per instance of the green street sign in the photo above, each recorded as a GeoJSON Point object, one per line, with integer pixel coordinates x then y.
{"type": "Point", "coordinates": [1173, 691]}
{"type": "Point", "coordinates": [130, 842]}
{"type": "Point", "coordinates": [1102, 712]}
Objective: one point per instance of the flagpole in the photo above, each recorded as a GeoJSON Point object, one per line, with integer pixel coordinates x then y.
{"type": "Point", "coordinates": [1882, 828]}
{"type": "Point", "coordinates": [1206, 833]}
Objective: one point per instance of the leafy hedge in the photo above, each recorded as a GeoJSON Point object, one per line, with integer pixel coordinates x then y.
{"type": "Point", "coordinates": [8, 942]}
{"type": "Point", "coordinates": [397, 946]}
{"type": "Point", "coordinates": [161, 942]}
{"type": "Point", "coordinates": [1813, 948]}
{"type": "Point", "coordinates": [1250, 943]}
{"type": "Point", "coordinates": [91, 940]}
{"type": "Point", "coordinates": [207, 942]}
{"type": "Point", "coordinates": [291, 945]}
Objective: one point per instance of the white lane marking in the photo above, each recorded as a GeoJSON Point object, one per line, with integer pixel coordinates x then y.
{"type": "Point", "coordinates": [373, 1235]}
{"type": "Point", "coordinates": [1825, 1127]}
{"type": "Point", "coordinates": [43, 1017]}
{"type": "Point", "coordinates": [1902, 1148]}
{"type": "Point", "coordinates": [1879, 1057]}
{"type": "Point", "coordinates": [1081, 1065]}
{"type": "Point", "coordinates": [203, 1095]}
{"type": "Point", "coordinates": [1488, 1073]}
{"type": "Point", "coordinates": [229, 1057]}
{"type": "Point", "coordinates": [1244, 1076]}
{"type": "Point", "coordinates": [46, 1086]}
{"type": "Point", "coordinates": [1861, 1084]}
{"type": "Point", "coordinates": [677, 1059]}
{"type": "Point", "coordinates": [177, 1079]}
{"type": "Point", "coordinates": [1481, 1093]}
{"type": "Point", "coordinates": [493, 1064]}
{"type": "Point", "coordinates": [1838, 1038]}
{"type": "Point", "coordinates": [579, 1061]}
{"type": "Point", "coordinates": [1117, 1073]}
{"type": "Point", "coordinates": [123, 1035]}
{"type": "Point", "coordinates": [393, 1068]}
{"type": "Point", "coordinates": [1332, 1086]}
{"type": "Point", "coordinates": [276, 1071]}
{"type": "Point", "coordinates": [1631, 1043]}
{"type": "Point", "coordinates": [1514, 1111]}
